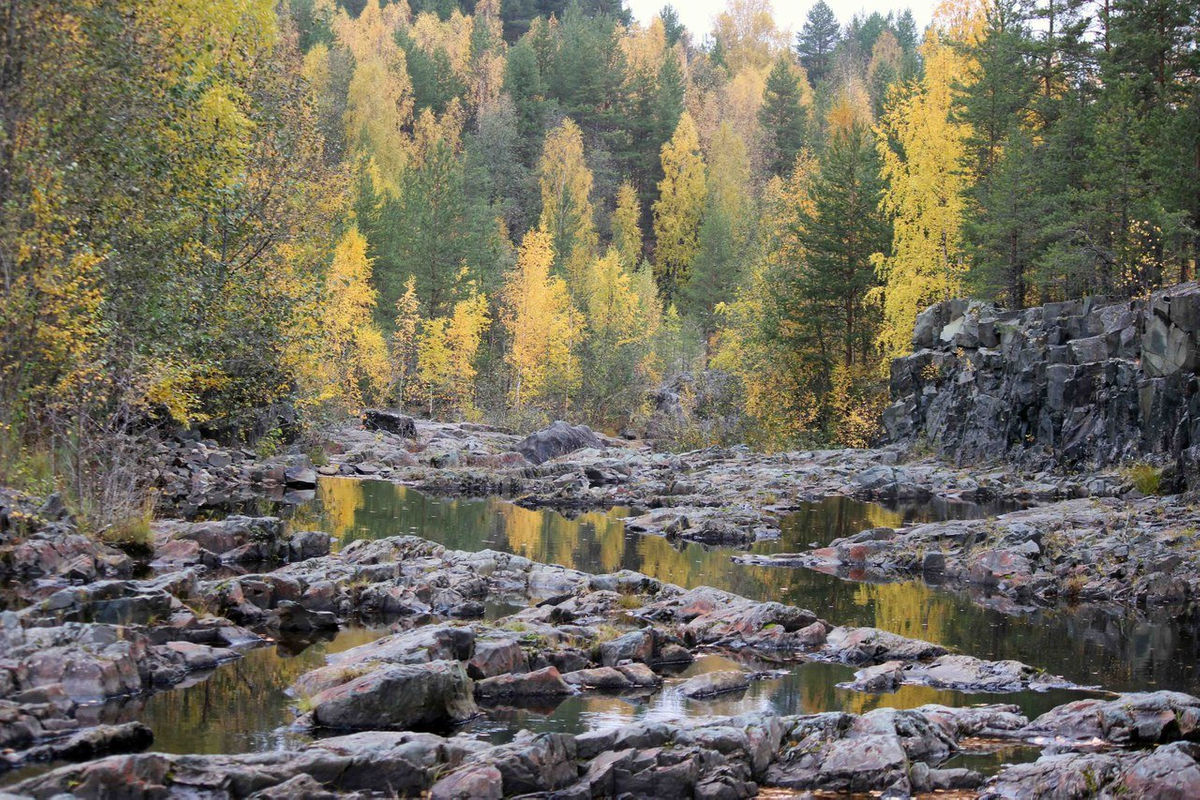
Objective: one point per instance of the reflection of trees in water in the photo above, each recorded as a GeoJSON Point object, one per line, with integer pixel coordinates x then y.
{"type": "Point", "coordinates": [240, 701]}
{"type": "Point", "coordinates": [1124, 653]}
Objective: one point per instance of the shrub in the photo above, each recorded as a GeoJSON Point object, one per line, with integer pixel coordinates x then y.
{"type": "Point", "coordinates": [1145, 478]}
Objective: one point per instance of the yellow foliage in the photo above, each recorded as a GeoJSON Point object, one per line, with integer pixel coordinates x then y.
{"type": "Point", "coordinates": [851, 108]}
{"type": "Point", "coordinates": [680, 205]}
{"type": "Point", "coordinates": [379, 103]}
{"type": "Point", "coordinates": [747, 33]}
{"type": "Point", "coordinates": [728, 178]}
{"type": "Point", "coordinates": [446, 354]}
{"type": "Point", "coordinates": [885, 54]}
{"type": "Point", "coordinates": [627, 226]}
{"type": "Point", "coordinates": [541, 325]}
{"type": "Point", "coordinates": [355, 369]}
{"type": "Point", "coordinates": [611, 306]}
{"type": "Point", "coordinates": [857, 415]}
{"type": "Point", "coordinates": [200, 32]}
{"type": "Point", "coordinates": [925, 187]}
{"type": "Point", "coordinates": [487, 69]}
{"type": "Point", "coordinates": [774, 376]}
{"type": "Point", "coordinates": [644, 48]}
{"type": "Point", "coordinates": [453, 37]}
{"type": "Point", "coordinates": [567, 214]}
{"type": "Point", "coordinates": [404, 342]}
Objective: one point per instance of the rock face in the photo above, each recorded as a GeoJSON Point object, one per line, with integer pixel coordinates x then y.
{"type": "Point", "coordinates": [557, 440]}
{"type": "Point", "coordinates": [1074, 384]}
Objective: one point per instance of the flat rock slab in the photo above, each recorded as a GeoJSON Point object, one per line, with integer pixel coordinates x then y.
{"type": "Point", "coordinates": [956, 672]}
{"type": "Point", "coordinates": [711, 684]}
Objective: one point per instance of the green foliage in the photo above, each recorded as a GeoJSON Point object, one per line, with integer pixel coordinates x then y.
{"type": "Point", "coordinates": [782, 117]}
{"type": "Point", "coordinates": [282, 175]}
{"type": "Point", "coordinates": [816, 41]}
{"type": "Point", "coordinates": [1146, 478]}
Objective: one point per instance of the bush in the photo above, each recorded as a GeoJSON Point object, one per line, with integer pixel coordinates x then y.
{"type": "Point", "coordinates": [1145, 478]}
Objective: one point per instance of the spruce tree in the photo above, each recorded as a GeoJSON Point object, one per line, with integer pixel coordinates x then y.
{"type": "Point", "coordinates": [840, 233]}
{"type": "Point", "coordinates": [994, 104]}
{"type": "Point", "coordinates": [817, 40]}
{"type": "Point", "coordinates": [782, 117]}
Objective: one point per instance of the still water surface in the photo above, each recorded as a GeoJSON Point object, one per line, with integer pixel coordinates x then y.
{"type": "Point", "coordinates": [243, 706]}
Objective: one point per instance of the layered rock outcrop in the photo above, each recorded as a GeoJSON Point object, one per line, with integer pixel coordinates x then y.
{"type": "Point", "coordinates": [1078, 384]}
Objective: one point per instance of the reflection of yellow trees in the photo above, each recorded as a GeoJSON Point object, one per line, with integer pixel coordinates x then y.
{"type": "Point", "coordinates": [544, 537]}
{"type": "Point", "coordinates": [909, 609]}
{"type": "Point", "coordinates": [239, 700]}
{"type": "Point", "coordinates": [610, 535]}
{"type": "Point", "coordinates": [340, 500]}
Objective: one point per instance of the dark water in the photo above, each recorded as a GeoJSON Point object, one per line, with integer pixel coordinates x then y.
{"type": "Point", "coordinates": [243, 706]}
{"type": "Point", "coordinates": [1087, 645]}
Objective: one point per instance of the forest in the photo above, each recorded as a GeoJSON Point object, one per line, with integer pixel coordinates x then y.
{"type": "Point", "coordinates": [512, 211]}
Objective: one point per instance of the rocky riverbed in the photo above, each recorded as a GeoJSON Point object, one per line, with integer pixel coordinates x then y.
{"type": "Point", "coordinates": [472, 639]}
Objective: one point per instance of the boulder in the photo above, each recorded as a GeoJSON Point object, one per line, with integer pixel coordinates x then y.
{"type": "Point", "coordinates": [557, 440]}
{"type": "Point", "coordinates": [1131, 719]}
{"type": "Point", "coordinates": [375, 419]}
{"type": "Point", "coordinates": [1171, 772]}
{"type": "Point", "coordinates": [541, 683]}
{"type": "Point", "coordinates": [398, 697]}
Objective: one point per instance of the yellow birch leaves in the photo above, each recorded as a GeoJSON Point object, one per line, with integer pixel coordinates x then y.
{"type": "Point", "coordinates": [679, 207]}
{"type": "Point", "coordinates": [355, 368]}
{"type": "Point", "coordinates": [542, 326]}
{"type": "Point", "coordinates": [923, 150]}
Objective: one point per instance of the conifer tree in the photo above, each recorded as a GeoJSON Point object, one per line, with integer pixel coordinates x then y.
{"type": "Point", "coordinates": [817, 40]}
{"type": "Point", "coordinates": [782, 117]}
{"type": "Point", "coordinates": [841, 233]}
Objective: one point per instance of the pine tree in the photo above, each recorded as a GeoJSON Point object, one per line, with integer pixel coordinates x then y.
{"type": "Point", "coordinates": [841, 233]}
{"type": "Point", "coordinates": [681, 196]}
{"type": "Point", "coordinates": [782, 117]}
{"type": "Point", "coordinates": [1000, 231]}
{"type": "Point", "coordinates": [817, 40]}
{"type": "Point", "coordinates": [424, 229]}
{"type": "Point", "coordinates": [672, 25]}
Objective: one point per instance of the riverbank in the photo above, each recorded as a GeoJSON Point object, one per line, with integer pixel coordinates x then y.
{"type": "Point", "coordinates": [479, 634]}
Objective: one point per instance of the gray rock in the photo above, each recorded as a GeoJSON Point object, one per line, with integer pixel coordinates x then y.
{"type": "Point", "coordinates": [557, 440]}
{"type": "Point", "coordinates": [709, 684]}
{"type": "Point", "coordinates": [398, 697]}
{"type": "Point", "coordinates": [546, 682]}
{"type": "Point", "coordinates": [1068, 385]}
{"type": "Point", "coordinates": [1131, 719]}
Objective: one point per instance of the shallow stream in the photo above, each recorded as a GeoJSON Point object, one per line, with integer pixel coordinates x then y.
{"type": "Point", "coordinates": [243, 706]}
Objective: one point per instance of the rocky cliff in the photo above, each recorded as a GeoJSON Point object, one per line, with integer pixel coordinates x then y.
{"type": "Point", "coordinates": [1078, 384]}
